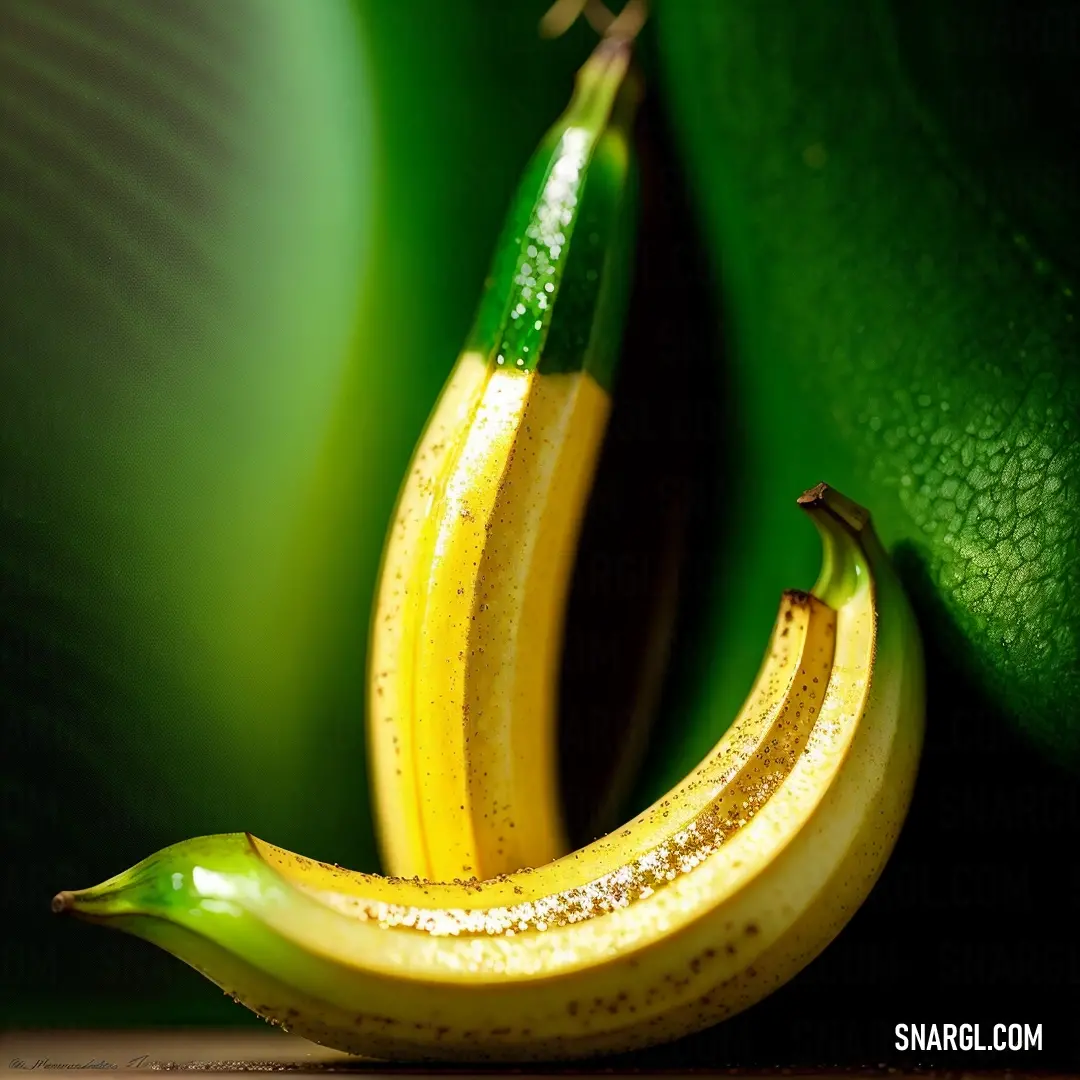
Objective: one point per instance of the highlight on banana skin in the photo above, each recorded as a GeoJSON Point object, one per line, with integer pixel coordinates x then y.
{"type": "Point", "coordinates": [492, 940]}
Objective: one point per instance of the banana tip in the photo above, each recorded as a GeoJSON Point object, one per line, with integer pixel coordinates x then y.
{"type": "Point", "coordinates": [63, 901]}
{"type": "Point", "coordinates": [823, 495]}
{"type": "Point", "coordinates": [813, 496]}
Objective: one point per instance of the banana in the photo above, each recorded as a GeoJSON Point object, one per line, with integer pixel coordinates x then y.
{"type": "Point", "coordinates": [697, 908]}
{"type": "Point", "coordinates": [470, 605]}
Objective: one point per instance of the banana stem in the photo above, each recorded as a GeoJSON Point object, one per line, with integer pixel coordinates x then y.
{"type": "Point", "coordinates": [848, 541]}
{"type": "Point", "coordinates": [564, 13]}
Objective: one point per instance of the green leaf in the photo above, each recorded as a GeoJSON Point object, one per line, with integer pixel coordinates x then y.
{"type": "Point", "coordinates": [895, 263]}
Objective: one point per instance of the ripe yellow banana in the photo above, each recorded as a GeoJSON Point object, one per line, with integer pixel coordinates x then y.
{"type": "Point", "coordinates": [697, 908]}
{"type": "Point", "coordinates": [467, 622]}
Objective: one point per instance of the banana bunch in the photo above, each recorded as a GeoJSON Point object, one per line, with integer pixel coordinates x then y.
{"type": "Point", "coordinates": [694, 910]}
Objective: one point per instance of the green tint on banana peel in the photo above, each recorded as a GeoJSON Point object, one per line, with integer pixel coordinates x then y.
{"type": "Point", "coordinates": [699, 907]}
{"type": "Point", "coordinates": [467, 622]}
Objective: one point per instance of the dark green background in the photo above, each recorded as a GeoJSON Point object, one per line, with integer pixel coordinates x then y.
{"type": "Point", "coordinates": [242, 244]}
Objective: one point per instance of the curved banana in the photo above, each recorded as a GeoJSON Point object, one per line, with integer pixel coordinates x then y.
{"type": "Point", "coordinates": [467, 623]}
{"type": "Point", "coordinates": [696, 909]}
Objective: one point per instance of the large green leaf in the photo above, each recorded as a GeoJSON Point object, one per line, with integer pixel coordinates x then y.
{"type": "Point", "coordinates": [889, 194]}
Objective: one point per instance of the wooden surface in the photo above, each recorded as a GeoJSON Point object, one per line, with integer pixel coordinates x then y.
{"type": "Point", "coordinates": [94, 1054]}
{"type": "Point", "coordinates": [215, 1053]}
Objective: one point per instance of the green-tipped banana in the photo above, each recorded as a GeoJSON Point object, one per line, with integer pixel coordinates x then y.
{"type": "Point", "coordinates": [699, 907]}
{"type": "Point", "coordinates": [468, 619]}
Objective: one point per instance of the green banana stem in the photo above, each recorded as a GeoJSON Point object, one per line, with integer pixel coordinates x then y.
{"type": "Point", "coordinates": [842, 525]}
{"type": "Point", "coordinates": [580, 179]}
